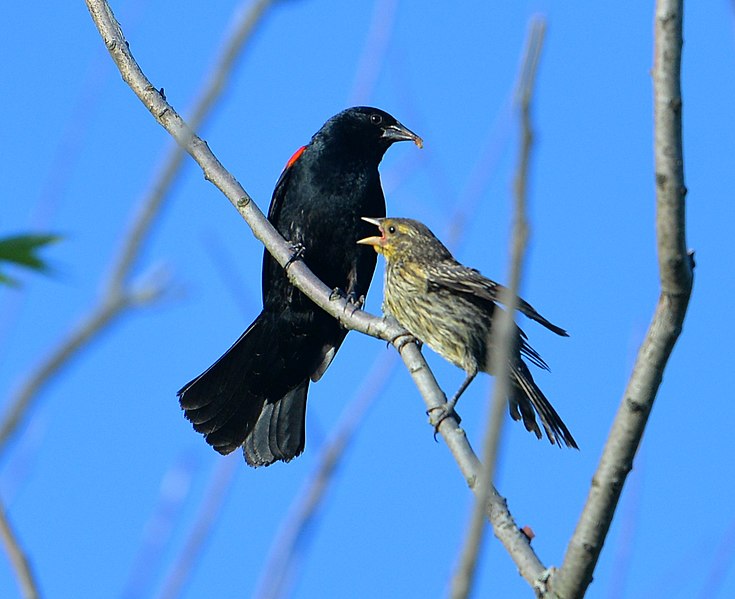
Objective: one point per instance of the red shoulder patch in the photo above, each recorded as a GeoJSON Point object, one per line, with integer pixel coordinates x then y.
{"type": "Point", "coordinates": [295, 157]}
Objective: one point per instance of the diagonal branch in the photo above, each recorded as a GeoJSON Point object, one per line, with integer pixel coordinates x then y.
{"type": "Point", "coordinates": [305, 280]}
{"type": "Point", "coordinates": [23, 572]}
{"type": "Point", "coordinates": [464, 576]}
{"type": "Point", "coordinates": [278, 575]}
{"type": "Point", "coordinates": [117, 297]}
{"type": "Point", "coordinates": [676, 274]}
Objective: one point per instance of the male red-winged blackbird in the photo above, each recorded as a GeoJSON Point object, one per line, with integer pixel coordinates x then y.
{"type": "Point", "coordinates": [450, 308]}
{"type": "Point", "coordinates": [255, 394]}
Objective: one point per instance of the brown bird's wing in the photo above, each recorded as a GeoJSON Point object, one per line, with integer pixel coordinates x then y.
{"type": "Point", "coordinates": [462, 279]}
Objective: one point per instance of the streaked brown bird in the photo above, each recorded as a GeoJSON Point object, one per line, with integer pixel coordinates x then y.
{"type": "Point", "coordinates": [450, 308]}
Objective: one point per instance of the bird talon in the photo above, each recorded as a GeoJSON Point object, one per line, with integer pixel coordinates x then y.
{"type": "Point", "coordinates": [336, 294]}
{"type": "Point", "coordinates": [299, 251]}
{"type": "Point", "coordinates": [446, 410]}
{"type": "Point", "coordinates": [405, 339]}
{"type": "Point", "coordinates": [354, 301]}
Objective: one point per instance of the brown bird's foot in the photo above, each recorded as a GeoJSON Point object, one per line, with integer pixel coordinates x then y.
{"type": "Point", "coordinates": [402, 340]}
{"type": "Point", "coordinates": [405, 337]}
{"type": "Point", "coordinates": [440, 413]}
{"type": "Point", "coordinates": [299, 251]}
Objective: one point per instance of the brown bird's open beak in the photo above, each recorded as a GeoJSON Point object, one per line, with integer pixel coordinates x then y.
{"type": "Point", "coordinates": [399, 132]}
{"type": "Point", "coordinates": [375, 241]}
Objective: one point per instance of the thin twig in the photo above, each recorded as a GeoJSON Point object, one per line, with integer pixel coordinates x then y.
{"type": "Point", "coordinates": [278, 573]}
{"type": "Point", "coordinates": [372, 58]}
{"type": "Point", "coordinates": [305, 280]}
{"type": "Point", "coordinates": [210, 509]}
{"type": "Point", "coordinates": [676, 275]}
{"type": "Point", "coordinates": [23, 573]}
{"type": "Point", "coordinates": [464, 577]}
{"type": "Point", "coordinates": [96, 322]}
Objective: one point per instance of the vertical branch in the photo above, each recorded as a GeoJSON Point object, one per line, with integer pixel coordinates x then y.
{"type": "Point", "coordinates": [676, 275]}
{"type": "Point", "coordinates": [504, 321]}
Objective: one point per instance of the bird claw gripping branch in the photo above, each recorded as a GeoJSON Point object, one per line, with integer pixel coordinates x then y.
{"type": "Point", "coordinates": [299, 251]}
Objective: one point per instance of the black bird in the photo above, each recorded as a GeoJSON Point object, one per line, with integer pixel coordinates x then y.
{"type": "Point", "coordinates": [450, 307]}
{"type": "Point", "coordinates": [255, 394]}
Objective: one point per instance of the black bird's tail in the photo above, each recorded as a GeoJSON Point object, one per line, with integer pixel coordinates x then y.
{"type": "Point", "coordinates": [525, 397]}
{"type": "Point", "coordinates": [253, 395]}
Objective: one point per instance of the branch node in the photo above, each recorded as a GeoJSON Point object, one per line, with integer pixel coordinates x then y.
{"type": "Point", "coordinates": [692, 263]}
{"type": "Point", "coordinates": [543, 584]}
{"type": "Point", "coordinates": [637, 406]}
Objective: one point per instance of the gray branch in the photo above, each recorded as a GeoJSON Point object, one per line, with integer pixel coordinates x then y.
{"type": "Point", "coordinates": [676, 275]}
{"type": "Point", "coordinates": [299, 274]}
{"type": "Point", "coordinates": [117, 297]}
{"type": "Point", "coordinates": [18, 559]}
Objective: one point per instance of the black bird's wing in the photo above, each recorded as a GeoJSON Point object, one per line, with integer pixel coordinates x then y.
{"type": "Point", "coordinates": [274, 212]}
{"type": "Point", "coordinates": [462, 279]}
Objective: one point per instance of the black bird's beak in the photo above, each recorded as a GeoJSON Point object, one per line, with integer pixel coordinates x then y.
{"type": "Point", "coordinates": [398, 132]}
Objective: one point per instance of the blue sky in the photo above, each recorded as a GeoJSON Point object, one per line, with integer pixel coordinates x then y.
{"type": "Point", "coordinates": [105, 480]}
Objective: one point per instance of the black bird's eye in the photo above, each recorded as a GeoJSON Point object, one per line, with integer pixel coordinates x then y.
{"type": "Point", "coordinates": [376, 119]}
{"type": "Point", "coordinates": [391, 229]}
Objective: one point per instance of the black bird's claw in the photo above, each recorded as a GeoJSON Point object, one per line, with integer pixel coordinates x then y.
{"type": "Point", "coordinates": [445, 411]}
{"type": "Point", "coordinates": [299, 251]}
{"type": "Point", "coordinates": [354, 301]}
{"type": "Point", "coordinates": [336, 294]}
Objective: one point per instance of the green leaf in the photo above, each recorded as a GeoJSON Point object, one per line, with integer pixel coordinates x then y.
{"type": "Point", "coordinates": [22, 250]}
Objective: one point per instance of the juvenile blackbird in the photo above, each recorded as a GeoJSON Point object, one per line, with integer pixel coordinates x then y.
{"type": "Point", "coordinates": [450, 307]}
{"type": "Point", "coordinates": [254, 396]}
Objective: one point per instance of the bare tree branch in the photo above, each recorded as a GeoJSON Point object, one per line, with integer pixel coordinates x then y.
{"type": "Point", "coordinates": [676, 274]}
{"type": "Point", "coordinates": [505, 323]}
{"type": "Point", "coordinates": [278, 574]}
{"type": "Point", "coordinates": [118, 297]}
{"type": "Point", "coordinates": [23, 572]}
{"type": "Point", "coordinates": [209, 510]}
{"type": "Point", "coordinates": [299, 274]}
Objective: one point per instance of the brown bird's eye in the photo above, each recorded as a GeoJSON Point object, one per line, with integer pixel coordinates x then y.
{"type": "Point", "coordinates": [376, 119]}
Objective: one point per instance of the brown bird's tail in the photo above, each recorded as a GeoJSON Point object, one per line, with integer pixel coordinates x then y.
{"type": "Point", "coordinates": [525, 397]}
{"type": "Point", "coordinates": [253, 396]}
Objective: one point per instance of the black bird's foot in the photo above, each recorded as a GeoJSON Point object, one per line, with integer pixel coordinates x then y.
{"type": "Point", "coordinates": [299, 251]}
{"type": "Point", "coordinates": [354, 302]}
{"type": "Point", "coordinates": [440, 413]}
